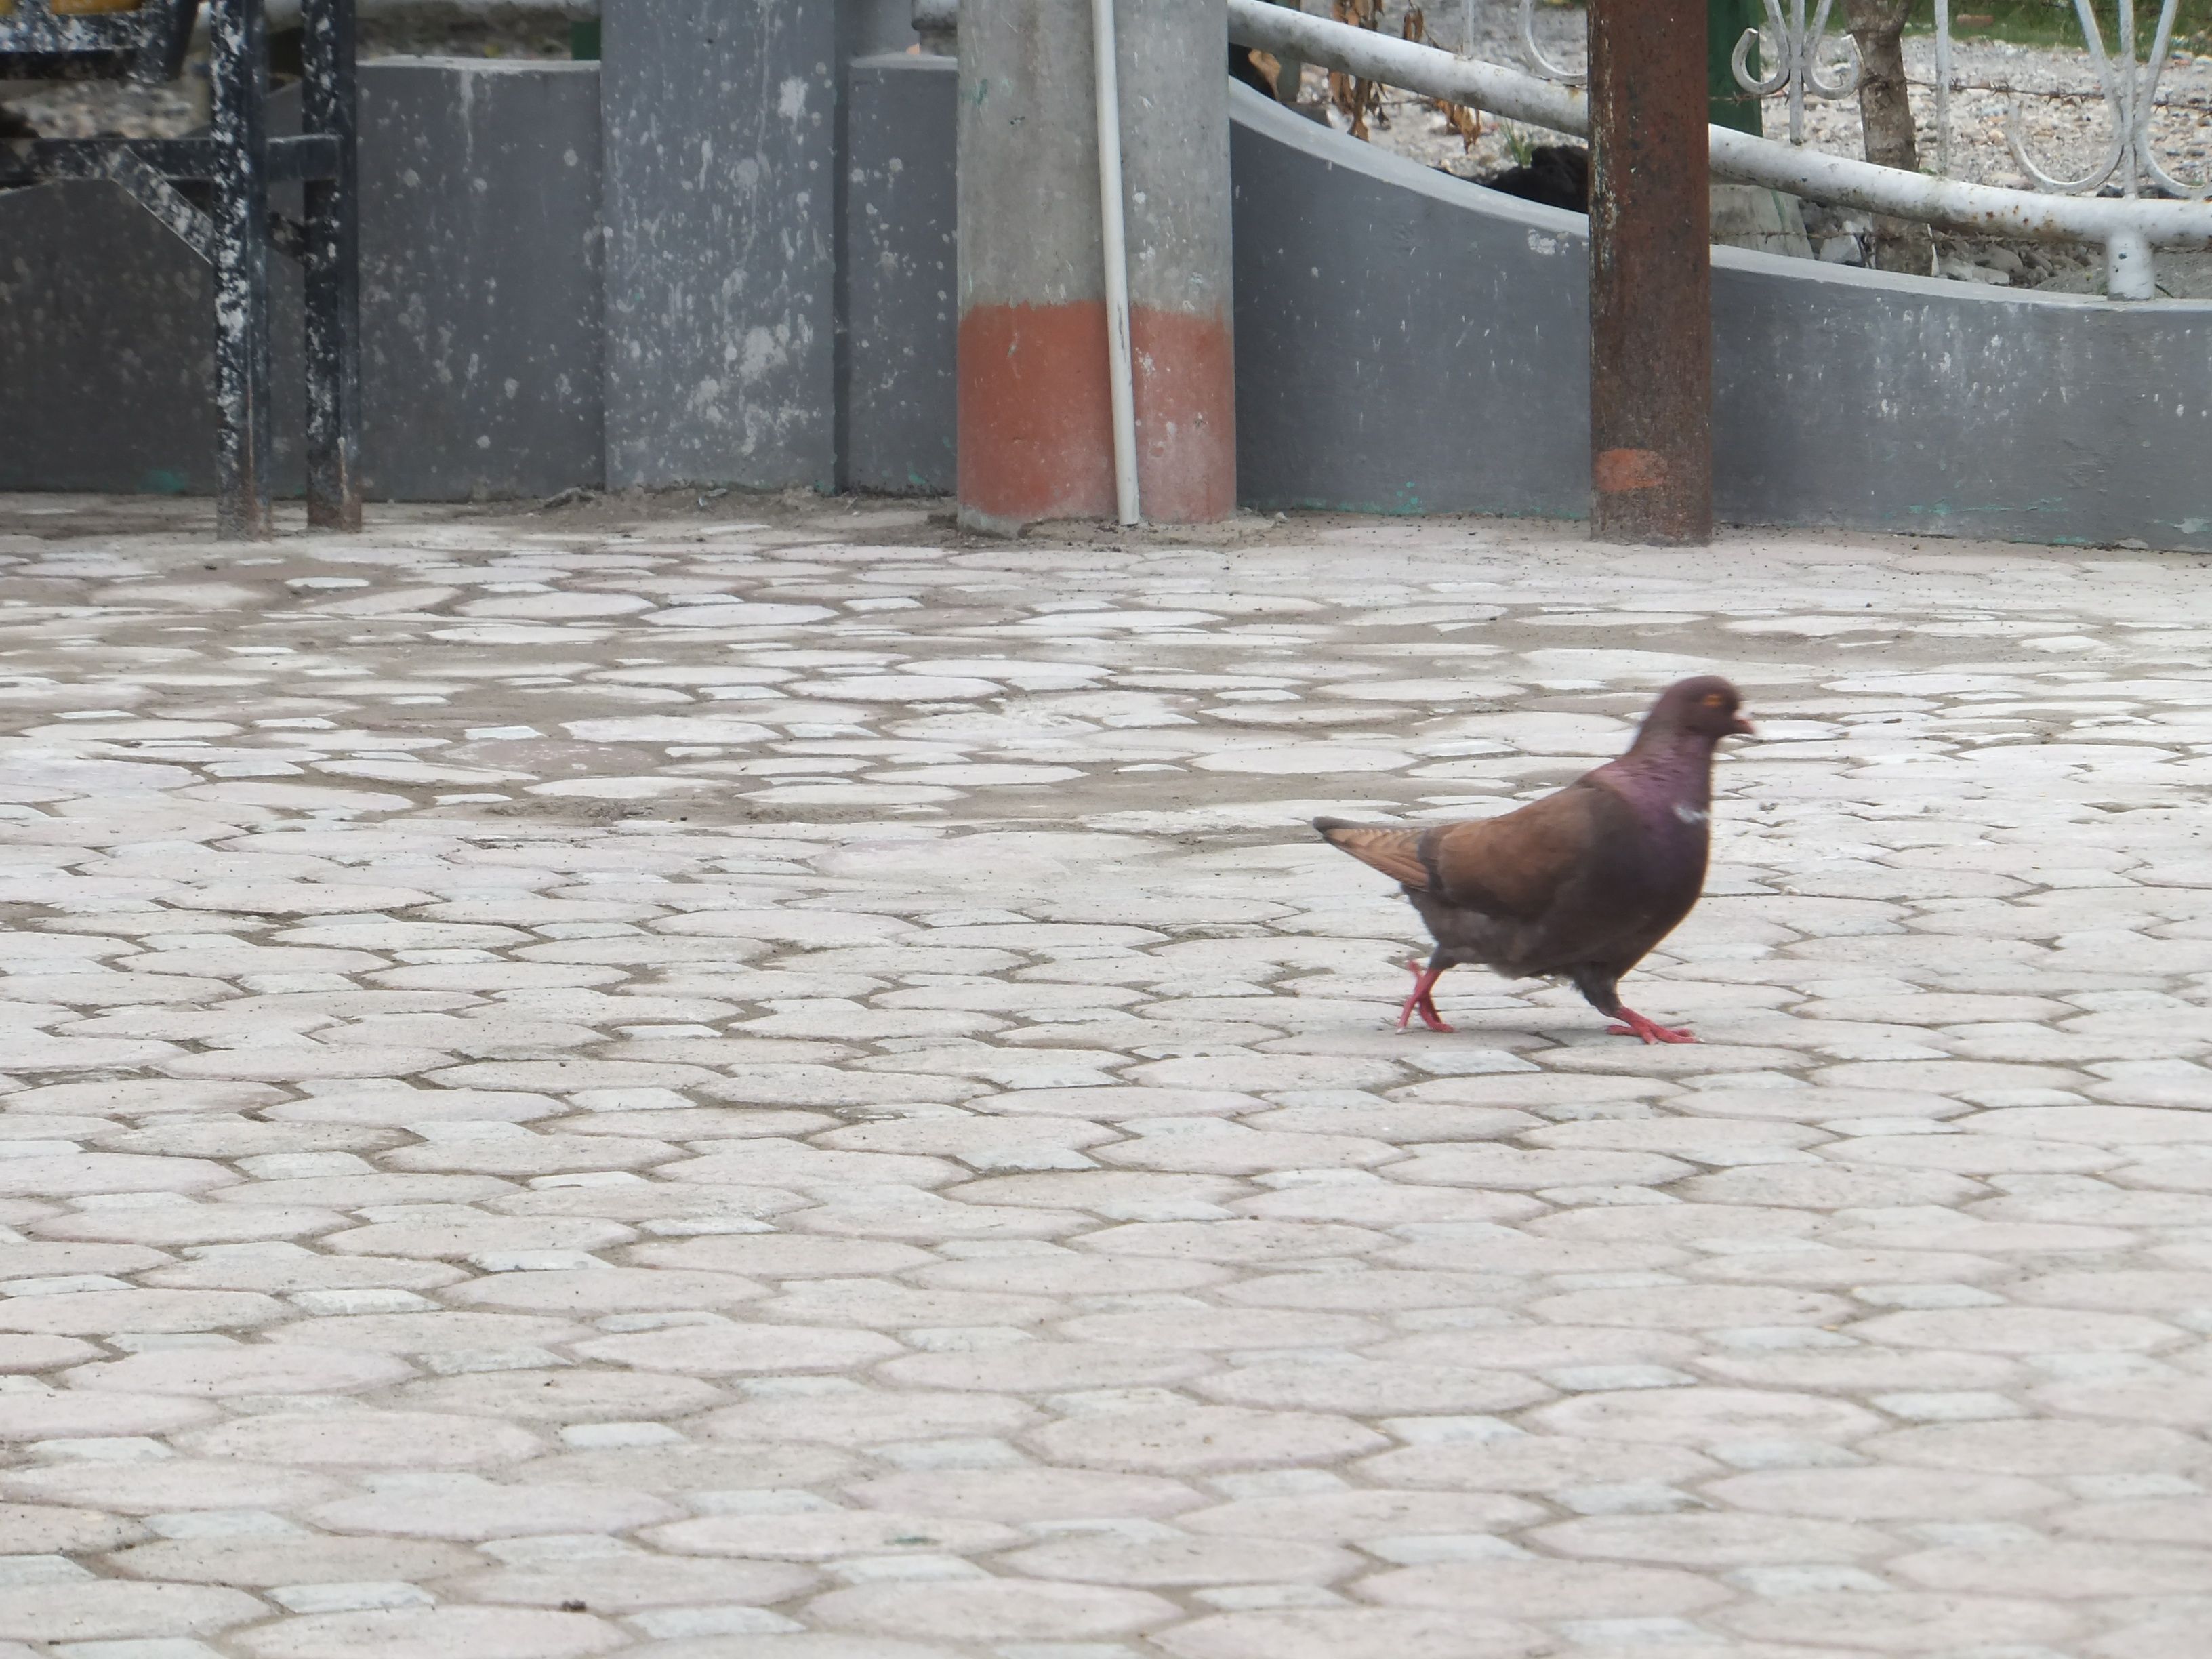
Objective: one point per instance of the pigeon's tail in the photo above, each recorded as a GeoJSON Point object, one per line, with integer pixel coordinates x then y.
{"type": "Point", "coordinates": [1395, 853]}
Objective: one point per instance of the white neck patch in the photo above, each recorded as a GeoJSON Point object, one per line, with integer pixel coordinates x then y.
{"type": "Point", "coordinates": [1691, 815]}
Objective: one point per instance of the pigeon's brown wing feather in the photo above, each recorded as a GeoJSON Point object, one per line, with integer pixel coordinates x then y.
{"type": "Point", "coordinates": [1395, 853]}
{"type": "Point", "coordinates": [1571, 877]}
{"type": "Point", "coordinates": [1512, 866]}
{"type": "Point", "coordinates": [1516, 866]}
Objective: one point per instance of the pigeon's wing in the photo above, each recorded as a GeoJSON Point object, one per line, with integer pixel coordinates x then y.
{"type": "Point", "coordinates": [1576, 879]}
{"type": "Point", "coordinates": [1518, 867]}
{"type": "Point", "coordinates": [1395, 853]}
{"type": "Point", "coordinates": [1513, 866]}
{"type": "Point", "coordinates": [1567, 883]}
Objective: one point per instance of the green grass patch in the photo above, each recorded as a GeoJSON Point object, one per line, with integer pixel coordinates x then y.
{"type": "Point", "coordinates": [2054, 23]}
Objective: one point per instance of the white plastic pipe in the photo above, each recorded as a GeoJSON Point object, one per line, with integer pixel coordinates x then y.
{"type": "Point", "coordinates": [1120, 366]}
{"type": "Point", "coordinates": [1943, 88]}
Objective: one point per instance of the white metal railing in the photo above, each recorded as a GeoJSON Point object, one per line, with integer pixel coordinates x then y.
{"type": "Point", "coordinates": [2127, 228]}
{"type": "Point", "coordinates": [1790, 45]}
{"type": "Point", "coordinates": [2130, 88]}
{"type": "Point", "coordinates": [1793, 46]}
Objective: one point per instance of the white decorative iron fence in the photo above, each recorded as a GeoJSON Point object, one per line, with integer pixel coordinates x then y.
{"type": "Point", "coordinates": [1793, 47]}
{"type": "Point", "coordinates": [2127, 227]}
{"type": "Point", "coordinates": [1813, 58]}
{"type": "Point", "coordinates": [2131, 89]}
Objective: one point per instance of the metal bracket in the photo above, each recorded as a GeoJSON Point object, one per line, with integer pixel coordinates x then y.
{"type": "Point", "coordinates": [163, 200]}
{"type": "Point", "coordinates": [288, 237]}
{"type": "Point", "coordinates": [310, 157]}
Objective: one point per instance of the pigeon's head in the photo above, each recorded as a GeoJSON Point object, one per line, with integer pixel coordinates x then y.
{"type": "Point", "coordinates": [1704, 706]}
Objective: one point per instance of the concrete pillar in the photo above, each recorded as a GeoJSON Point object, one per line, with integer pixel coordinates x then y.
{"type": "Point", "coordinates": [1036, 436]}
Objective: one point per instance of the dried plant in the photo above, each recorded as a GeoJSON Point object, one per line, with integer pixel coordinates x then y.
{"type": "Point", "coordinates": [1354, 96]}
{"type": "Point", "coordinates": [1357, 99]}
{"type": "Point", "coordinates": [1461, 118]}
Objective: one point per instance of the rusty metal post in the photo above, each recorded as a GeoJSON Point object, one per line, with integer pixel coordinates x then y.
{"type": "Point", "coordinates": [1652, 319]}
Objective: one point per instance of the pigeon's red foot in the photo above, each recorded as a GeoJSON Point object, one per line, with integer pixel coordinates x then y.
{"type": "Point", "coordinates": [1638, 1026]}
{"type": "Point", "coordinates": [1420, 1001]}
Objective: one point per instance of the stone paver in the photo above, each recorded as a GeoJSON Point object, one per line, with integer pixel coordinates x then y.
{"type": "Point", "coordinates": [630, 1080]}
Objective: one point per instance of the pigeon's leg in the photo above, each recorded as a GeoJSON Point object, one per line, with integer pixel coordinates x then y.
{"type": "Point", "coordinates": [1420, 1001]}
{"type": "Point", "coordinates": [1638, 1026]}
{"type": "Point", "coordinates": [1597, 985]}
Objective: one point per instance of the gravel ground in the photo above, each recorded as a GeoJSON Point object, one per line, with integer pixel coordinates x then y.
{"type": "Point", "coordinates": [2065, 127]}
{"type": "Point", "coordinates": [2064, 116]}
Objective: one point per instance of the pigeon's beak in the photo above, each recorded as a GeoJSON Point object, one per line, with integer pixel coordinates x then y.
{"type": "Point", "coordinates": [1743, 728]}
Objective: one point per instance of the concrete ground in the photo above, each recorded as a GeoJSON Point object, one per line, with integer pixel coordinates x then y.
{"type": "Point", "coordinates": [756, 1082]}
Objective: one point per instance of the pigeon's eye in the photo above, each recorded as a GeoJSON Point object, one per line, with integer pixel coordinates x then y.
{"type": "Point", "coordinates": [1714, 700]}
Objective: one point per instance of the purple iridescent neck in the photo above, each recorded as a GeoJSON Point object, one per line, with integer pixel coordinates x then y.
{"type": "Point", "coordinates": [1667, 769]}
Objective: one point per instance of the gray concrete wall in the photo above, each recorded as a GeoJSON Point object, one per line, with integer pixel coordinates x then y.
{"type": "Point", "coordinates": [1406, 343]}
{"type": "Point", "coordinates": [878, 25]}
{"type": "Point", "coordinates": [480, 306]}
{"type": "Point", "coordinates": [900, 309]}
{"type": "Point", "coordinates": [1851, 398]}
{"type": "Point", "coordinates": [719, 142]}
{"type": "Point", "coordinates": [481, 291]}
{"type": "Point", "coordinates": [107, 350]}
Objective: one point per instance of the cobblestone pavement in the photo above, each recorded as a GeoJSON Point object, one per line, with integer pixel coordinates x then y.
{"type": "Point", "coordinates": [783, 1088]}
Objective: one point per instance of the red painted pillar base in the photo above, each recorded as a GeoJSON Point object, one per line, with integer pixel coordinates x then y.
{"type": "Point", "coordinates": [1036, 425]}
{"type": "Point", "coordinates": [1186, 416]}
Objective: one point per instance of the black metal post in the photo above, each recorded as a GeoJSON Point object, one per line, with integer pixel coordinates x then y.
{"type": "Point", "coordinates": [327, 105]}
{"type": "Point", "coordinates": [1651, 318]}
{"type": "Point", "coordinates": [239, 67]}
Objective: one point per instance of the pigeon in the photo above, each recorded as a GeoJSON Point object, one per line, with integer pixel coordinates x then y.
{"type": "Point", "coordinates": [1578, 885]}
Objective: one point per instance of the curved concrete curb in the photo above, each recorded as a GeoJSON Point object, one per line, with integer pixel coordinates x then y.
{"type": "Point", "coordinates": [1406, 343]}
